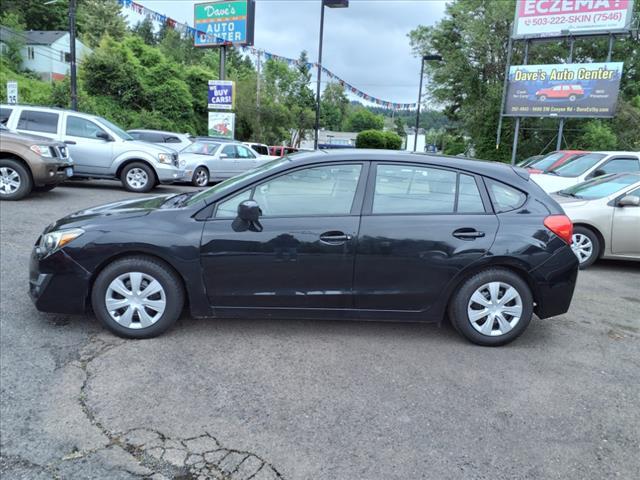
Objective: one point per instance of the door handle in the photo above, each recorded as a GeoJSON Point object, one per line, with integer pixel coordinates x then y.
{"type": "Point", "coordinates": [335, 238]}
{"type": "Point", "coordinates": [467, 234]}
{"type": "Point", "coordinates": [70, 142]}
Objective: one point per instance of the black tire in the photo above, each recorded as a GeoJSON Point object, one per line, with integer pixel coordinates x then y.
{"type": "Point", "coordinates": [578, 234]}
{"type": "Point", "coordinates": [24, 180]}
{"type": "Point", "coordinates": [203, 172]}
{"type": "Point", "coordinates": [146, 177]}
{"type": "Point", "coordinates": [45, 188]}
{"type": "Point", "coordinates": [462, 298]}
{"type": "Point", "coordinates": [150, 268]}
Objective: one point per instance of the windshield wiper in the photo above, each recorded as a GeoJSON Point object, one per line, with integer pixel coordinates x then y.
{"type": "Point", "coordinates": [553, 172]}
{"type": "Point", "coordinates": [178, 199]}
{"type": "Point", "coordinates": [567, 194]}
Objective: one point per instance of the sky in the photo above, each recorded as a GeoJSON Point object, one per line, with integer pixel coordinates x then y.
{"type": "Point", "coordinates": [365, 44]}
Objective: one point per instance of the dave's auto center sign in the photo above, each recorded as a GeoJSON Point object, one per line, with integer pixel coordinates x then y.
{"type": "Point", "coordinates": [547, 18]}
{"type": "Point", "coordinates": [563, 90]}
{"type": "Point", "coordinates": [224, 22]}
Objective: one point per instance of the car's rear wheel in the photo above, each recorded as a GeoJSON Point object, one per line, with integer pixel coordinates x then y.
{"type": "Point", "coordinates": [586, 246]}
{"type": "Point", "coordinates": [542, 98]}
{"type": "Point", "coordinates": [492, 307]}
{"type": "Point", "coordinates": [572, 98]}
{"type": "Point", "coordinates": [138, 177]}
{"type": "Point", "coordinates": [200, 177]}
{"type": "Point", "coordinates": [15, 180]}
{"type": "Point", "coordinates": [137, 297]}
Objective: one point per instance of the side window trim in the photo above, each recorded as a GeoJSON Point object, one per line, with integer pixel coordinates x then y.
{"type": "Point", "coordinates": [356, 206]}
{"type": "Point", "coordinates": [367, 208]}
{"type": "Point", "coordinates": [494, 202]}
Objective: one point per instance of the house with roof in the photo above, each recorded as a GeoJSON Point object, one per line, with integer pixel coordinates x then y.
{"type": "Point", "coordinates": [47, 53]}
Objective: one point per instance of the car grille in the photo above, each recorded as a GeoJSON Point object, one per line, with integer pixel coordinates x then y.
{"type": "Point", "coordinates": [60, 152]}
{"type": "Point", "coordinates": [176, 160]}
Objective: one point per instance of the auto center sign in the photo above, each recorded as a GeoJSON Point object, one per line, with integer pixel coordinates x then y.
{"type": "Point", "coordinates": [221, 94]}
{"type": "Point", "coordinates": [548, 18]}
{"type": "Point", "coordinates": [565, 90]}
{"type": "Point", "coordinates": [224, 22]}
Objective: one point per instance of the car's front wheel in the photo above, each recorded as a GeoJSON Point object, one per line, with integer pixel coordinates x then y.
{"type": "Point", "coordinates": [572, 98]}
{"type": "Point", "coordinates": [137, 297]}
{"type": "Point", "coordinates": [586, 246]}
{"type": "Point", "coordinates": [138, 177]}
{"type": "Point", "coordinates": [15, 180]}
{"type": "Point", "coordinates": [542, 98]}
{"type": "Point", "coordinates": [200, 177]}
{"type": "Point", "coordinates": [492, 308]}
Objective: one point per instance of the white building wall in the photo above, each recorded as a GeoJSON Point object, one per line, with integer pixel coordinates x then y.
{"type": "Point", "coordinates": [49, 60]}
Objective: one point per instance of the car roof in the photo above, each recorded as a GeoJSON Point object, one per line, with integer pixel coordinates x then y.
{"type": "Point", "coordinates": [155, 131]}
{"type": "Point", "coordinates": [609, 152]}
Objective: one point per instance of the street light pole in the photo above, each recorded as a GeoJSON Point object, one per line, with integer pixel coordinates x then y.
{"type": "Point", "coordinates": [424, 59]}
{"type": "Point", "coordinates": [330, 4]}
{"type": "Point", "coordinates": [72, 52]}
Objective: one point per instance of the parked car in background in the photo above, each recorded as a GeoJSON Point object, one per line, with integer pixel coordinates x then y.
{"type": "Point", "coordinates": [529, 160]}
{"type": "Point", "coordinates": [29, 162]}
{"type": "Point", "coordinates": [561, 92]}
{"type": "Point", "coordinates": [553, 160]}
{"type": "Point", "coordinates": [99, 148]}
{"type": "Point", "coordinates": [260, 148]}
{"type": "Point", "coordinates": [606, 217]}
{"type": "Point", "coordinates": [176, 141]}
{"type": "Point", "coordinates": [281, 151]}
{"type": "Point", "coordinates": [205, 138]}
{"type": "Point", "coordinates": [348, 234]}
{"type": "Point", "coordinates": [586, 167]}
{"type": "Point", "coordinates": [207, 161]}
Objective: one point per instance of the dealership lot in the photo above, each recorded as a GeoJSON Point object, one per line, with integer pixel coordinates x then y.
{"type": "Point", "coordinates": [312, 399]}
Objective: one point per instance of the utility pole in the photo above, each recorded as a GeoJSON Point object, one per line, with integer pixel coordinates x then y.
{"type": "Point", "coordinates": [73, 65]}
{"type": "Point", "coordinates": [415, 138]}
{"type": "Point", "coordinates": [223, 57]}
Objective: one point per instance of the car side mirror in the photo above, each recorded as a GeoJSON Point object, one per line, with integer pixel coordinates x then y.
{"type": "Point", "coordinates": [629, 201]}
{"type": "Point", "coordinates": [224, 155]}
{"type": "Point", "coordinates": [249, 211]}
{"type": "Point", "coordinates": [104, 136]}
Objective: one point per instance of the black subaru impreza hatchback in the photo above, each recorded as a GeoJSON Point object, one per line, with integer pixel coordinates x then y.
{"type": "Point", "coordinates": [351, 234]}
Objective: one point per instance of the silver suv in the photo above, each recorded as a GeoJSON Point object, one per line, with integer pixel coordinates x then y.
{"type": "Point", "coordinates": [99, 148]}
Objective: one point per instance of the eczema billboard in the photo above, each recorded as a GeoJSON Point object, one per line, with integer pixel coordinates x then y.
{"type": "Point", "coordinates": [565, 90]}
{"type": "Point", "coordinates": [224, 22]}
{"type": "Point", "coordinates": [549, 18]}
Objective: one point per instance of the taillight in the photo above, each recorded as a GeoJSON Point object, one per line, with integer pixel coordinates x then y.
{"type": "Point", "coordinates": [561, 225]}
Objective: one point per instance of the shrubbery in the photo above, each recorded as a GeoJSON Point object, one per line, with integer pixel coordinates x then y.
{"type": "Point", "coordinates": [379, 140]}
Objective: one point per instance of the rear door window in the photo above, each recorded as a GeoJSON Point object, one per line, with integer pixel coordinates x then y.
{"type": "Point", "coordinates": [34, 121]}
{"type": "Point", "coordinates": [5, 113]}
{"type": "Point", "coordinates": [504, 197]}
{"type": "Point", "coordinates": [619, 165]}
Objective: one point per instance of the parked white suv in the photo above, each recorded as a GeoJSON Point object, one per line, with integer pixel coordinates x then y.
{"type": "Point", "coordinates": [99, 148]}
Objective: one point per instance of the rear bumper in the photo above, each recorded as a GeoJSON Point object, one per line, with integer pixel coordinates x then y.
{"type": "Point", "coordinates": [58, 284]}
{"type": "Point", "coordinates": [555, 281]}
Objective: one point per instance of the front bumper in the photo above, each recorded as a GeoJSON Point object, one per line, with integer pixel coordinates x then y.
{"type": "Point", "coordinates": [49, 173]}
{"type": "Point", "coordinates": [169, 174]}
{"type": "Point", "coordinates": [57, 283]}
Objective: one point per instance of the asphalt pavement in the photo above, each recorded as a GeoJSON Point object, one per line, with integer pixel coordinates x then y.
{"type": "Point", "coordinates": [271, 399]}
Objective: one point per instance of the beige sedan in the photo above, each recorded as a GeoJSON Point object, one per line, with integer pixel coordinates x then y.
{"type": "Point", "coordinates": [606, 217]}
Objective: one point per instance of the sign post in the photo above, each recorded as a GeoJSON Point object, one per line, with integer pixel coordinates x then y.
{"type": "Point", "coordinates": [12, 92]}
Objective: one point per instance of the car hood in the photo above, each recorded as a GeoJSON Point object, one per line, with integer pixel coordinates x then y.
{"type": "Point", "coordinates": [192, 158]}
{"type": "Point", "coordinates": [112, 211]}
{"type": "Point", "coordinates": [569, 202]}
{"type": "Point", "coordinates": [11, 135]}
{"type": "Point", "coordinates": [553, 183]}
{"type": "Point", "coordinates": [148, 146]}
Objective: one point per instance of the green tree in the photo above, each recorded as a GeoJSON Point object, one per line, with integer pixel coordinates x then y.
{"type": "Point", "coordinates": [145, 30]}
{"type": "Point", "coordinates": [399, 125]}
{"type": "Point", "coordinates": [598, 136]}
{"type": "Point", "coordinates": [96, 18]}
{"type": "Point", "coordinates": [35, 16]}
{"type": "Point", "coordinates": [334, 106]}
{"type": "Point", "coordinates": [362, 119]}
{"type": "Point", "coordinates": [371, 139]}
{"type": "Point", "coordinates": [15, 41]}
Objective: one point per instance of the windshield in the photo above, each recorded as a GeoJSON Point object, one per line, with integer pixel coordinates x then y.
{"type": "Point", "coordinates": [546, 162]}
{"type": "Point", "coordinates": [201, 148]}
{"type": "Point", "coordinates": [578, 165]}
{"type": "Point", "coordinates": [114, 128]}
{"type": "Point", "coordinates": [233, 181]}
{"type": "Point", "coordinates": [600, 187]}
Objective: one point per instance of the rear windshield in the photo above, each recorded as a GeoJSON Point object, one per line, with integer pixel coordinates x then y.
{"type": "Point", "coordinates": [579, 165]}
{"type": "Point", "coordinates": [547, 161]}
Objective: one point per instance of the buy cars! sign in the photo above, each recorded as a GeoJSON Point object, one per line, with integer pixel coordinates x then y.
{"type": "Point", "coordinates": [548, 18]}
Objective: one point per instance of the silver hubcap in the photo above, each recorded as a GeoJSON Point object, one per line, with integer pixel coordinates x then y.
{"type": "Point", "coordinates": [201, 178]}
{"type": "Point", "coordinates": [582, 246]}
{"type": "Point", "coordinates": [135, 300]}
{"type": "Point", "coordinates": [494, 309]}
{"type": "Point", "coordinates": [137, 177]}
{"type": "Point", "coordinates": [9, 181]}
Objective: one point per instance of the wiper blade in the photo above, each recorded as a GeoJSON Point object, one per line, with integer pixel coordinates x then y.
{"type": "Point", "coordinates": [178, 199]}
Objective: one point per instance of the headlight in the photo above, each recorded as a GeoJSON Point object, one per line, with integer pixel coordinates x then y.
{"type": "Point", "coordinates": [165, 158]}
{"type": "Point", "coordinates": [53, 241]}
{"type": "Point", "coordinates": [41, 150]}
{"type": "Point", "coordinates": [183, 163]}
